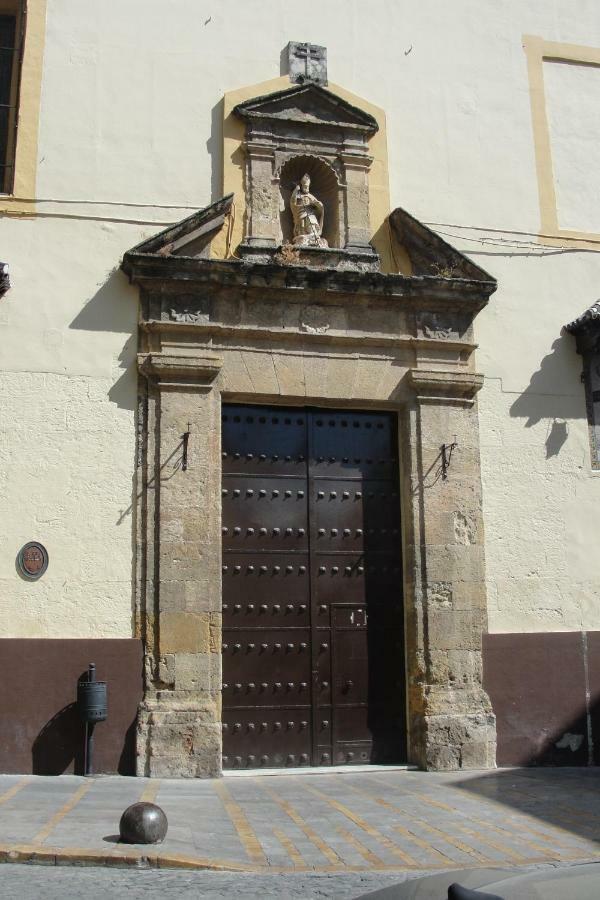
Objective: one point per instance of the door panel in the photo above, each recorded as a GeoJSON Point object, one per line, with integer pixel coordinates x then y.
{"type": "Point", "coordinates": [264, 513]}
{"type": "Point", "coordinates": [263, 441]}
{"type": "Point", "coordinates": [312, 588]}
{"type": "Point", "coordinates": [270, 592]}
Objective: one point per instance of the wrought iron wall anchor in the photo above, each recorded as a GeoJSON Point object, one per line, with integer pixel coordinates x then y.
{"type": "Point", "coordinates": [184, 459]}
{"type": "Point", "coordinates": [447, 451]}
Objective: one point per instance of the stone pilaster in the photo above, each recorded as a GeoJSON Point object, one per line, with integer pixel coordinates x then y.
{"type": "Point", "coordinates": [451, 720]}
{"type": "Point", "coordinates": [261, 197]}
{"type": "Point", "coordinates": [356, 169]}
{"type": "Point", "coordinates": [179, 719]}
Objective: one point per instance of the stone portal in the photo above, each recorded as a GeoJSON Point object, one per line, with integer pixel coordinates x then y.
{"type": "Point", "coordinates": [284, 326]}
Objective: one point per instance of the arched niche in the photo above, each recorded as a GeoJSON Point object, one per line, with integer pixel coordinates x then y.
{"type": "Point", "coordinates": [324, 185]}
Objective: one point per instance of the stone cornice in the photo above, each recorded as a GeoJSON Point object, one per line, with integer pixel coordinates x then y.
{"type": "Point", "coordinates": [433, 386]}
{"type": "Point", "coordinates": [149, 270]}
{"type": "Point", "coordinates": [189, 370]}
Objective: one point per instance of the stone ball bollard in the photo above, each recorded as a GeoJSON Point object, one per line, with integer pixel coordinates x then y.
{"type": "Point", "coordinates": [143, 823]}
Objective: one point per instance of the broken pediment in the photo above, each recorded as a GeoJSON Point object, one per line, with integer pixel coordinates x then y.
{"type": "Point", "coordinates": [192, 236]}
{"type": "Point", "coordinates": [426, 252]}
{"type": "Point", "coordinates": [429, 254]}
{"type": "Point", "coordinates": [307, 104]}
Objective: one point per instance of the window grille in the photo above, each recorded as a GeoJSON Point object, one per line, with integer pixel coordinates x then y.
{"type": "Point", "coordinates": [11, 43]}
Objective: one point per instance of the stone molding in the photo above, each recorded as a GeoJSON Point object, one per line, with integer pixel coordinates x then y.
{"type": "Point", "coordinates": [432, 386]}
{"type": "Point", "coordinates": [185, 371]}
{"type": "Point", "coordinates": [306, 335]}
{"type": "Point", "coordinates": [183, 273]}
{"type": "Point", "coordinates": [307, 103]}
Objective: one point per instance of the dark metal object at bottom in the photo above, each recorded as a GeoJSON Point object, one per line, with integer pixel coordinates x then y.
{"type": "Point", "coordinates": [92, 705]}
{"type": "Point", "coordinates": [456, 892]}
{"type": "Point", "coordinates": [143, 823]}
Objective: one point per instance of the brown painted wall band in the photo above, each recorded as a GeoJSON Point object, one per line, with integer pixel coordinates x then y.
{"type": "Point", "coordinates": [545, 690]}
{"type": "Point", "coordinates": [42, 732]}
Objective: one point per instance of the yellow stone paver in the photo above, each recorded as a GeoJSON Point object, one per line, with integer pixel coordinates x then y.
{"type": "Point", "coordinates": [387, 821]}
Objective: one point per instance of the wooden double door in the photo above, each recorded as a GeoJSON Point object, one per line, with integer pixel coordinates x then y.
{"type": "Point", "coordinates": [313, 646]}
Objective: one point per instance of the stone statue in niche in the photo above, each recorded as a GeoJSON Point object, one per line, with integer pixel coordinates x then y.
{"type": "Point", "coordinates": [308, 214]}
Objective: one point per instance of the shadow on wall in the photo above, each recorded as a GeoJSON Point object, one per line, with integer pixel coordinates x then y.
{"type": "Point", "coordinates": [558, 432]}
{"type": "Point", "coordinates": [555, 393]}
{"type": "Point", "coordinates": [113, 308]}
{"type": "Point", "coordinates": [59, 747]}
{"type": "Point", "coordinates": [59, 743]}
{"type": "Point", "coordinates": [545, 691]}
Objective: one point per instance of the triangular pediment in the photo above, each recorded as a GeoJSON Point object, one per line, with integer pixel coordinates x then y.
{"type": "Point", "coordinates": [430, 254]}
{"type": "Point", "coordinates": [191, 236]}
{"type": "Point", "coordinates": [308, 104]}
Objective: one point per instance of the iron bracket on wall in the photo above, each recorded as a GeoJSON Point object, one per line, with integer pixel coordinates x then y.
{"type": "Point", "coordinates": [447, 451]}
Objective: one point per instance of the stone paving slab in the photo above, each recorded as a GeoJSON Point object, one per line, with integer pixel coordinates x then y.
{"type": "Point", "coordinates": [355, 822]}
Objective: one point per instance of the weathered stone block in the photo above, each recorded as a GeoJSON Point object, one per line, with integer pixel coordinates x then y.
{"type": "Point", "coordinates": [451, 629]}
{"type": "Point", "coordinates": [184, 632]}
{"type": "Point", "coordinates": [457, 742]}
{"type": "Point", "coordinates": [198, 672]}
{"type": "Point", "coordinates": [181, 740]}
{"type": "Point", "coordinates": [261, 371]}
{"type": "Point", "coordinates": [454, 562]}
{"type": "Point", "coordinates": [289, 371]}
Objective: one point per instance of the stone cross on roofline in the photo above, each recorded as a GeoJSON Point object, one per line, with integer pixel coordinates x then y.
{"type": "Point", "coordinates": [307, 62]}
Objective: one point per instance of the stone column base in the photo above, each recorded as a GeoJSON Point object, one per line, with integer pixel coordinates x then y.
{"type": "Point", "coordinates": [177, 740]}
{"type": "Point", "coordinates": [461, 741]}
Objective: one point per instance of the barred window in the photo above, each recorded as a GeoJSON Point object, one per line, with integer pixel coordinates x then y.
{"type": "Point", "coordinates": [12, 20]}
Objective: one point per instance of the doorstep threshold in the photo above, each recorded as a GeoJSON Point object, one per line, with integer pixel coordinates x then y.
{"type": "Point", "coordinates": [317, 770]}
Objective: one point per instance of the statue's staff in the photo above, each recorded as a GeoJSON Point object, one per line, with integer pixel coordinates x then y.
{"type": "Point", "coordinates": [316, 234]}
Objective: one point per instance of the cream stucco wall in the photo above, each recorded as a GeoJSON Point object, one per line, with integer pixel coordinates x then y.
{"type": "Point", "coordinates": [130, 138]}
{"type": "Point", "coordinates": [68, 394]}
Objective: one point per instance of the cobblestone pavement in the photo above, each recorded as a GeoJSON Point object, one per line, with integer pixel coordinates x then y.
{"type": "Point", "coordinates": [60, 882]}
{"type": "Point", "coordinates": [29, 882]}
{"type": "Point", "coordinates": [374, 822]}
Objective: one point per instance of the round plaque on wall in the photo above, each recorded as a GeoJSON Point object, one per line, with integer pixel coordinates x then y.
{"type": "Point", "coordinates": [32, 560]}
